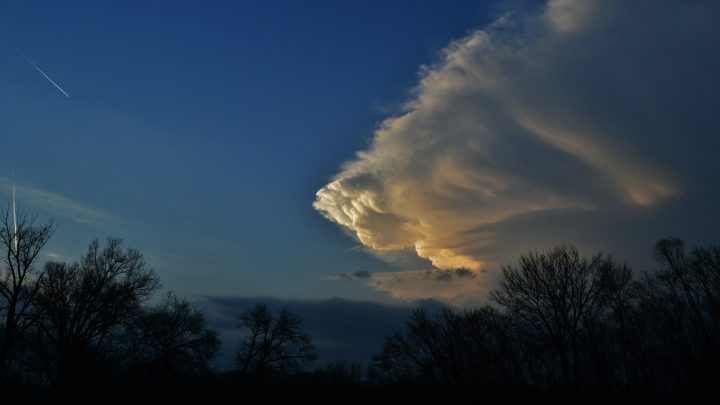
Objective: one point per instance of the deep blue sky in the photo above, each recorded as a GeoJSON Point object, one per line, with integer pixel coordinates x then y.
{"type": "Point", "coordinates": [200, 131]}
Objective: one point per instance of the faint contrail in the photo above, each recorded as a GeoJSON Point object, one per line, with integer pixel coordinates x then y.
{"type": "Point", "coordinates": [46, 76]}
{"type": "Point", "coordinates": [15, 234]}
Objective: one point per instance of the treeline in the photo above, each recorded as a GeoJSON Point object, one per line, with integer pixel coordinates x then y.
{"type": "Point", "coordinates": [65, 326]}
{"type": "Point", "coordinates": [558, 324]}
{"type": "Point", "coordinates": [566, 324]}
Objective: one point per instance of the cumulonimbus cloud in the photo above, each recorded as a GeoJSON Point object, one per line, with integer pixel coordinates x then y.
{"type": "Point", "coordinates": [581, 107]}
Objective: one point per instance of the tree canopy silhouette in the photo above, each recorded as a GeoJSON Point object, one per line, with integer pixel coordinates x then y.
{"type": "Point", "coordinates": [274, 343]}
{"type": "Point", "coordinates": [83, 306]}
{"type": "Point", "coordinates": [170, 339]}
{"type": "Point", "coordinates": [567, 323]}
{"type": "Point", "coordinates": [561, 295]}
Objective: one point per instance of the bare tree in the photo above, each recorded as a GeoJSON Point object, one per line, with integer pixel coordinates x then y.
{"type": "Point", "coordinates": [275, 343]}
{"type": "Point", "coordinates": [83, 306]}
{"type": "Point", "coordinates": [682, 301]}
{"type": "Point", "coordinates": [693, 280]}
{"type": "Point", "coordinates": [573, 324]}
{"type": "Point", "coordinates": [561, 295]}
{"type": "Point", "coordinates": [22, 238]}
{"type": "Point", "coordinates": [170, 339]}
{"type": "Point", "coordinates": [451, 348]}
{"type": "Point", "coordinates": [406, 356]}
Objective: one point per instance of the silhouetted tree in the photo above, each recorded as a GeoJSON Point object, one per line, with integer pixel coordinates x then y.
{"type": "Point", "coordinates": [567, 323]}
{"type": "Point", "coordinates": [680, 317]}
{"type": "Point", "coordinates": [615, 339]}
{"type": "Point", "coordinates": [694, 281]}
{"type": "Point", "coordinates": [473, 347]}
{"type": "Point", "coordinates": [274, 343]}
{"type": "Point", "coordinates": [562, 296]}
{"type": "Point", "coordinates": [418, 354]}
{"type": "Point", "coordinates": [170, 339]}
{"type": "Point", "coordinates": [82, 308]}
{"type": "Point", "coordinates": [22, 239]}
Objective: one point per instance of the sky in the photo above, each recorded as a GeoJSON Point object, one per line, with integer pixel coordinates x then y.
{"type": "Point", "coordinates": [199, 132]}
{"type": "Point", "coordinates": [375, 152]}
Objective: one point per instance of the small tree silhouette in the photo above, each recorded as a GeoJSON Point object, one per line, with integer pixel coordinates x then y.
{"type": "Point", "coordinates": [171, 339]}
{"type": "Point", "coordinates": [274, 344]}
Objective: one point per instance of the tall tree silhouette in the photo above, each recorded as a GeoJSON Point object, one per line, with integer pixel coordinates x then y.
{"type": "Point", "coordinates": [561, 295]}
{"type": "Point", "coordinates": [22, 239]}
{"type": "Point", "coordinates": [83, 306]}
{"type": "Point", "coordinates": [680, 303]}
{"type": "Point", "coordinates": [274, 343]}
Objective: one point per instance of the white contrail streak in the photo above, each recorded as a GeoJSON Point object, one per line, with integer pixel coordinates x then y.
{"type": "Point", "coordinates": [15, 234]}
{"type": "Point", "coordinates": [46, 76]}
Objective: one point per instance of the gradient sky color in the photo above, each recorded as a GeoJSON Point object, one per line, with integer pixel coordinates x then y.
{"type": "Point", "coordinates": [199, 132]}
{"type": "Point", "coordinates": [439, 135]}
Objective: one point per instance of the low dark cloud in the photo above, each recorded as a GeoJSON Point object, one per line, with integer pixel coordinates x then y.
{"type": "Point", "coordinates": [360, 274]}
{"type": "Point", "coordinates": [457, 287]}
{"type": "Point", "coordinates": [341, 329]}
{"type": "Point", "coordinates": [447, 275]}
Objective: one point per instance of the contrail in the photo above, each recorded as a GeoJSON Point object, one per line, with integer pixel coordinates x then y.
{"type": "Point", "coordinates": [15, 234]}
{"type": "Point", "coordinates": [46, 76]}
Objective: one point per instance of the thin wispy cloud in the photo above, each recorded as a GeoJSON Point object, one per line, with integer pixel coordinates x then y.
{"type": "Point", "coordinates": [58, 205]}
{"type": "Point", "coordinates": [573, 113]}
{"type": "Point", "coordinates": [58, 255]}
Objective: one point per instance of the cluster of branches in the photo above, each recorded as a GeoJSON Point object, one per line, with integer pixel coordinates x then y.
{"type": "Point", "coordinates": [90, 321]}
{"type": "Point", "coordinates": [274, 344]}
{"type": "Point", "coordinates": [565, 323]}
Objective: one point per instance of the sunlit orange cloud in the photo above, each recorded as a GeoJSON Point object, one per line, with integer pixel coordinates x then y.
{"type": "Point", "coordinates": [519, 119]}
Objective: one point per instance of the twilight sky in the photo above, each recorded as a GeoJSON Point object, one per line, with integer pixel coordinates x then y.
{"type": "Point", "coordinates": [375, 151]}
